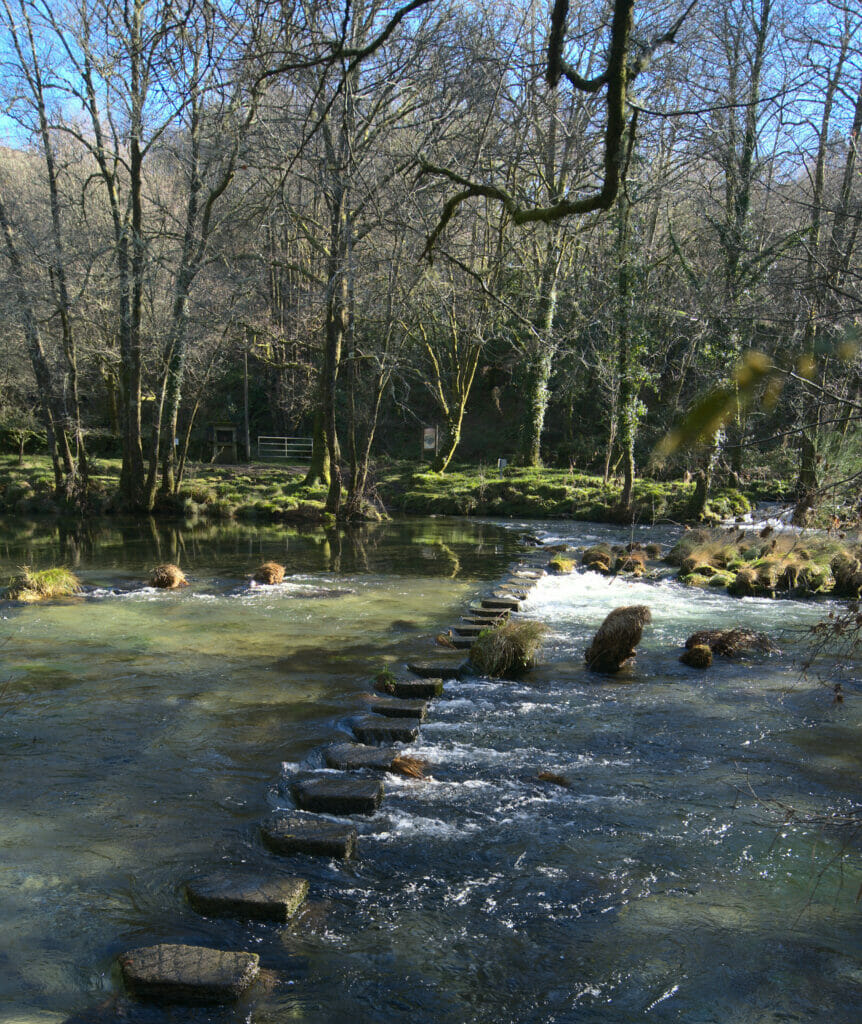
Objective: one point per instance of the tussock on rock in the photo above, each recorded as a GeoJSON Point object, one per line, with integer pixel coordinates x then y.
{"type": "Point", "coordinates": [686, 545]}
{"type": "Point", "coordinates": [732, 643]}
{"type": "Point", "coordinates": [653, 550]}
{"type": "Point", "coordinates": [558, 780]}
{"type": "Point", "coordinates": [561, 566]}
{"type": "Point", "coordinates": [269, 572]}
{"type": "Point", "coordinates": [30, 585]}
{"type": "Point", "coordinates": [508, 649]}
{"type": "Point", "coordinates": [745, 584]}
{"type": "Point", "coordinates": [168, 577]}
{"type": "Point", "coordinates": [384, 682]}
{"type": "Point", "coordinates": [698, 656]}
{"type": "Point", "coordinates": [445, 640]}
{"type": "Point", "coordinates": [617, 637]}
{"type": "Point", "coordinates": [597, 558]}
{"type": "Point", "coordinates": [848, 575]}
{"type": "Point", "coordinates": [413, 767]}
{"type": "Point", "coordinates": [633, 562]}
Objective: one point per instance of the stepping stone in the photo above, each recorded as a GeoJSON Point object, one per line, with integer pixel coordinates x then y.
{"type": "Point", "coordinates": [400, 708]}
{"type": "Point", "coordinates": [338, 796]}
{"type": "Point", "coordinates": [513, 588]}
{"type": "Point", "coordinates": [416, 689]}
{"type": "Point", "coordinates": [347, 757]}
{"type": "Point", "coordinates": [501, 601]}
{"type": "Point", "coordinates": [248, 895]}
{"type": "Point", "coordinates": [436, 669]}
{"type": "Point", "coordinates": [529, 574]}
{"type": "Point", "coordinates": [289, 836]}
{"type": "Point", "coordinates": [517, 582]}
{"type": "Point", "coordinates": [488, 613]}
{"type": "Point", "coordinates": [470, 629]}
{"type": "Point", "coordinates": [462, 643]}
{"type": "Point", "coordinates": [188, 974]}
{"type": "Point", "coordinates": [378, 730]}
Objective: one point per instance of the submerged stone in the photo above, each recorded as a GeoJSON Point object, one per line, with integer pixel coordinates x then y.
{"type": "Point", "coordinates": [291, 835]}
{"type": "Point", "coordinates": [400, 707]}
{"type": "Point", "coordinates": [188, 974]}
{"type": "Point", "coordinates": [247, 895]}
{"type": "Point", "coordinates": [350, 756]}
{"type": "Point", "coordinates": [378, 730]}
{"type": "Point", "coordinates": [338, 796]}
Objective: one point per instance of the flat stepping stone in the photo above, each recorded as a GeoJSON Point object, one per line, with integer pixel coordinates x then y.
{"type": "Point", "coordinates": [529, 574]}
{"type": "Point", "coordinates": [415, 689]}
{"type": "Point", "coordinates": [480, 612]}
{"type": "Point", "coordinates": [436, 669]}
{"type": "Point", "coordinates": [379, 730]}
{"type": "Point", "coordinates": [512, 588]}
{"type": "Point", "coordinates": [188, 974]}
{"type": "Point", "coordinates": [247, 895]}
{"type": "Point", "coordinates": [290, 836]}
{"type": "Point", "coordinates": [501, 601]}
{"type": "Point", "coordinates": [338, 796]}
{"type": "Point", "coordinates": [347, 757]}
{"type": "Point", "coordinates": [462, 643]}
{"type": "Point", "coordinates": [400, 707]}
{"type": "Point", "coordinates": [470, 629]}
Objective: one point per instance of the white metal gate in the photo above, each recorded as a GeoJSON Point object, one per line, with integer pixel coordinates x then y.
{"type": "Point", "coordinates": [284, 447]}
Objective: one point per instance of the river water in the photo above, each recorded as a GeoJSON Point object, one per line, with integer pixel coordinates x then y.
{"type": "Point", "coordinates": [693, 871]}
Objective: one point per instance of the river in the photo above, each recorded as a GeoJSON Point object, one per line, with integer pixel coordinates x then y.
{"type": "Point", "coordinates": [692, 871]}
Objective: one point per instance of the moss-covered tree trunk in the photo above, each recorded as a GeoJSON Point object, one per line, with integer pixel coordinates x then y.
{"type": "Point", "coordinates": [628, 390]}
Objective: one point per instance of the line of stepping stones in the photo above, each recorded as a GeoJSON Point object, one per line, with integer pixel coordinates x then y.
{"type": "Point", "coordinates": [178, 973]}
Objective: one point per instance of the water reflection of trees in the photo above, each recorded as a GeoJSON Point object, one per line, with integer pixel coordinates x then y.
{"type": "Point", "coordinates": [422, 547]}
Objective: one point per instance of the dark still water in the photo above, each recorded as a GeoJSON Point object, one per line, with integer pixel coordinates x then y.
{"type": "Point", "coordinates": [692, 872]}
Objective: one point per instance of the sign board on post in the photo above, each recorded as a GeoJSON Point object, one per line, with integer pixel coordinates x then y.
{"type": "Point", "coordinates": [429, 440]}
{"type": "Point", "coordinates": [501, 465]}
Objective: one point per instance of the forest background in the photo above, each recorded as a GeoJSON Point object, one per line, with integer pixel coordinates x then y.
{"type": "Point", "coordinates": [620, 239]}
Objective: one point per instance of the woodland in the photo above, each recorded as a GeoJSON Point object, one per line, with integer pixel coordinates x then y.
{"type": "Point", "coordinates": [619, 237]}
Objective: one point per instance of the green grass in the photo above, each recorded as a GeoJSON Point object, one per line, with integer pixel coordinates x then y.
{"type": "Point", "coordinates": [542, 493]}
{"type": "Point", "coordinates": [271, 492]}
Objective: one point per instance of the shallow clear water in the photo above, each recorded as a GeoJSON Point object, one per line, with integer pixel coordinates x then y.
{"type": "Point", "coordinates": [145, 734]}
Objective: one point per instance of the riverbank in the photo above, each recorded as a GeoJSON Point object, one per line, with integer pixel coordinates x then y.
{"type": "Point", "coordinates": [277, 493]}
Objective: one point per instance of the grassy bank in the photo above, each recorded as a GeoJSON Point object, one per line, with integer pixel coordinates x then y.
{"type": "Point", "coordinates": [547, 494]}
{"type": "Point", "coordinates": [273, 493]}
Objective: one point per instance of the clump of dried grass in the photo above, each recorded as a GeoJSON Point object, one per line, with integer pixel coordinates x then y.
{"type": "Point", "coordinates": [270, 573]}
{"type": "Point", "coordinates": [697, 656]}
{"type": "Point", "coordinates": [412, 767]}
{"type": "Point", "coordinates": [39, 585]}
{"type": "Point", "coordinates": [168, 577]}
{"type": "Point", "coordinates": [508, 649]}
{"type": "Point", "coordinates": [615, 642]}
